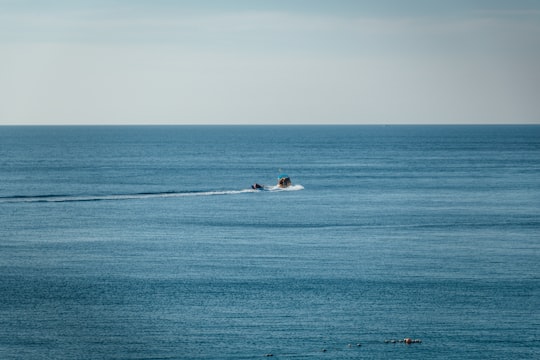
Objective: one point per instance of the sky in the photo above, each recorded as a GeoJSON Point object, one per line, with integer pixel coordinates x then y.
{"type": "Point", "coordinates": [269, 62]}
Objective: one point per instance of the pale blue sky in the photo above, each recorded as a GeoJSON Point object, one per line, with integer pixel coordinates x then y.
{"type": "Point", "coordinates": [269, 62]}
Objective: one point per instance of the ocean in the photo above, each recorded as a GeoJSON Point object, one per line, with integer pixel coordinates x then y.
{"type": "Point", "coordinates": [126, 242]}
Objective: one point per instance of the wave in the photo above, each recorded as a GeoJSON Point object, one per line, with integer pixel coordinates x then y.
{"type": "Point", "coordinates": [134, 196]}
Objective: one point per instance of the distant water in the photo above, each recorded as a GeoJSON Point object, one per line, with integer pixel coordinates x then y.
{"type": "Point", "coordinates": [147, 242]}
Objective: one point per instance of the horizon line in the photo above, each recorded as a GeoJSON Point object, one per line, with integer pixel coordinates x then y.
{"type": "Point", "coordinates": [270, 124]}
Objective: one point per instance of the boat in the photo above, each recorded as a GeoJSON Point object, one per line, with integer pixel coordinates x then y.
{"type": "Point", "coordinates": [284, 181]}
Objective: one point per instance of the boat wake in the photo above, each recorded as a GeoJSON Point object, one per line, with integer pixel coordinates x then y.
{"type": "Point", "coordinates": [276, 188]}
{"type": "Point", "coordinates": [135, 196]}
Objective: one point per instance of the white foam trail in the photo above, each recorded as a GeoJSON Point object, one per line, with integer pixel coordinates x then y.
{"type": "Point", "coordinates": [76, 198]}
{"type": "Point", "coordinates": [290, 188]}
{"type": "Point", "coordinates": [294, 188]}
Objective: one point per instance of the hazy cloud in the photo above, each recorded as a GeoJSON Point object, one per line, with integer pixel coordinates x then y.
{"type": "Point", "coordinates": [172, 64]}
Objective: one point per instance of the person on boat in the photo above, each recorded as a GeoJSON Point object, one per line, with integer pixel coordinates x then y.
{"type": "Point", "coordinates": [284, 181]}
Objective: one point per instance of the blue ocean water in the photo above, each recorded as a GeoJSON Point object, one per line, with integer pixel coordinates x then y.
{"type": "Point", "coordinates": [147, 242]}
